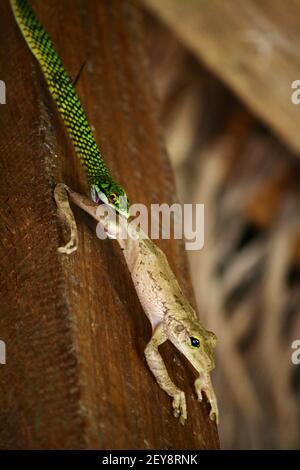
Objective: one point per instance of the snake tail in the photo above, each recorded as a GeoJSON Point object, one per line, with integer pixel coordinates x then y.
{"type": "Point", "coordinates": [63, 92]}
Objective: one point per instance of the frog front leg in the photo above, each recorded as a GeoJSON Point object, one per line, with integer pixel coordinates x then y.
{"type": "Point", "coordinates": [158, 368]}
{"type": "Point", "coordinates": [203, 384]}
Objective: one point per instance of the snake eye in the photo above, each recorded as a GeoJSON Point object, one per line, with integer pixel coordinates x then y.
{"type": "Point", "coordinates": [195, 342]}
{"type": "Point", "coordinates": [113, 198]}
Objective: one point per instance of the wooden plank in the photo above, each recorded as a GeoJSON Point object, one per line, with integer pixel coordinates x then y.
{"type": "Point", "coordinates": [75, 332]}
{"type": "Point", "coordinates": [252, 45]}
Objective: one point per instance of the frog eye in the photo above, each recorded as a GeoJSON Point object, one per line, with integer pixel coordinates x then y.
{"type": "Point", "coordinates": [195, 342]}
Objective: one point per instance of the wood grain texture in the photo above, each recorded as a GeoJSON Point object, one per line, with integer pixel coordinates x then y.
{"type": "Point", "coordinates": [76, 376]}
{"type": "Point", "coordinates": [252, 45]}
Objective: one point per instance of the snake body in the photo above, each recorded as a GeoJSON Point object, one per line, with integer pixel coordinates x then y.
{"type": "Point", "coordinates": [103, 187]}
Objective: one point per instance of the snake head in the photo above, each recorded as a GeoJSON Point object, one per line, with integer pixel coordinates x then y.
{"type": "Point", "coordinates": [112, 194]}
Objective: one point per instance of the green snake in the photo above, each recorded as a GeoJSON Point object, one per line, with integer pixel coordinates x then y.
{"type": "Point", "coordinates": [102, 186]}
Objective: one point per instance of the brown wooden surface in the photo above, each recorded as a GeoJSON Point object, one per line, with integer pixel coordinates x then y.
{"type": "Point", "coordinates": [76, 376]}
{"type": "Point", "coordinates": [252, 45]}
